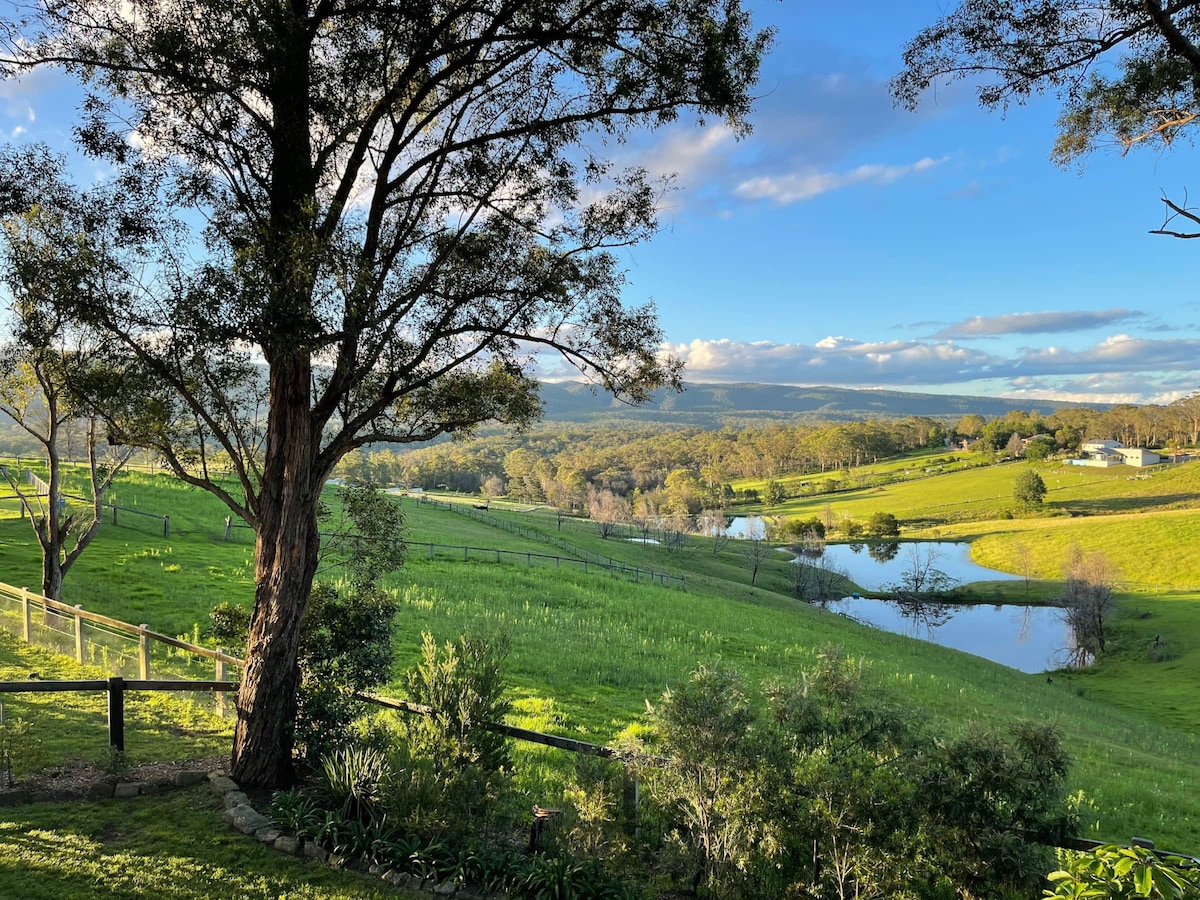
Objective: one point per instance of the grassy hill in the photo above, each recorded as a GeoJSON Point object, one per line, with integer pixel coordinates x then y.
{"type": "Point", "coordinates": [589, 650]}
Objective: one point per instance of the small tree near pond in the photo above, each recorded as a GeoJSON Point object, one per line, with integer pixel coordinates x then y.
{"type": "Point", "coordinates": [1029, 490]}
{"type": "Point", "coordinates": [883, 525]}
{"type": "Point", "coordinates": [1087, 601]}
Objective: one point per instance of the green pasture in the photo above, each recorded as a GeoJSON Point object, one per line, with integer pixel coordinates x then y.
{"type": "Point", "coordinates": [915, 464]}
{"type": "Point", "coordinates": [588, 651]}
{"type": "Point", "coordinates": [985, 493]}
{"type": "Point", "coordinates": [66, 726]}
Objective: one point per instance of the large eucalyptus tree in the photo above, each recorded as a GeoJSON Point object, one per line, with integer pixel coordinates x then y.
{"type": "Point", "coordinates": [401, 202]}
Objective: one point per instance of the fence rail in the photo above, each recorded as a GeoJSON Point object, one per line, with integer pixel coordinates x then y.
{"type": "Point", "coordinates": [493, 554]}
{"type": "Point", "coordinates": [130, 651]}
{"type": "Point", "coordinates": [579, 554]}
{"type": "Point", "coordinates": [116, 687]}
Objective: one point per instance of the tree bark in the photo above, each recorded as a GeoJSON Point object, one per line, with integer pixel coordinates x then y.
{"type": "Point", "coordinates": [287, 551]}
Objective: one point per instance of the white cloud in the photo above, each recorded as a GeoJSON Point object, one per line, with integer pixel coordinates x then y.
{"type": "Point", "coordinates": [796, 187]}
{"type": "Point", "coordinates": [1037, 323]}
{"type": "Point", "coordinates": [1118, 369]}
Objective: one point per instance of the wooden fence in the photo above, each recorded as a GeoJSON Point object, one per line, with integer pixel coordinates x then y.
{"type": "Point", "coordinates": [42, 489]}
{"type": "Point", "coordinates": [116, 687]}
{"type": "Point", "coordinates": [82, 634]}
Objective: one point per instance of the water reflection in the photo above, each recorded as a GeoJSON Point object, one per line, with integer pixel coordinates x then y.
{"type": "Point", "coordinates": [884, 551]}
{"type": "Point", "coordinates": [921, 580]}
{"type": "Point", "coordinates": [1027, 638]}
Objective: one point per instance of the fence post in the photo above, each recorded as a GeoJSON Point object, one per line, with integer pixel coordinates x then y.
{"type": "Point", "coordinates": [630, 797]}
{"type": "Point", "coordinates": [431, 551]}
{"type": "Point", "coordinates": [228, 527]}
{"type": "Point", "coordinates": [497, 556]}
{"type": "Point", "coordinates": [116, 713]}
{"type": "Point", "coordinates": [465, 549]}
{"type": "Point", "coordinates": [26, 616]}
{"type": "Point", "coordinates": [78, 634]}
{"type": "Point", "coordinates": [219, 675]}
{"type": "Point", "coordinates": [114, 514]}
{"type": "Point", "coordinates": [144, 652]}
{"type": "Point", "coordinates": [166, 526]}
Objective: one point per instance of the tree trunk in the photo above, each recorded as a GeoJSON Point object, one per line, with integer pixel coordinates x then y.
{"type": "Point", "coordinates": [52, 576]}
{"type": "Point", "coordinates": [287, 550]}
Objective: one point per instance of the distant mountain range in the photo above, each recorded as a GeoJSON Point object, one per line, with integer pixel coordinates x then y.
{"type": "Point", "coordinates": [713, 405]}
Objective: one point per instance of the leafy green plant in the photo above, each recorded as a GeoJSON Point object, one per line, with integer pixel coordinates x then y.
{"type": "Point", "coordinates": [295, 809]}
{"type": "Point", "coordinates": [463, 686]}
{"type": "Point", "coordinates": [113, 761]}
{"type": "Point", "coordinates": [353, 779]}
{"type": "Point", "coordinates": [1126, 872]}
{"type": "Point", "coordinates": [14, 738]}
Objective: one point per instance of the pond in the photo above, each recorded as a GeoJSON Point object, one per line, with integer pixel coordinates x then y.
{"type": "Point", "coordinates": [1026, 638]}
{"type": "Point", "coordinates": [1030, 639]}
{"type": "Point", "coordinates": [876, 566]}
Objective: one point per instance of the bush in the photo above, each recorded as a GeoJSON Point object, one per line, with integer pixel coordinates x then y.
{"type": "Point", "coordinates": [463, 686]}
{"type": "Point", "coordinates": [883, 525]}
{"type": "Point", "coordinates": [353, 779]}
{"type": "Point", "coordinates": [346, 647]}
{"type": "Point", "coordinates": [838, 792]}
{"type": "Point", "coordinates": [1029, 490]}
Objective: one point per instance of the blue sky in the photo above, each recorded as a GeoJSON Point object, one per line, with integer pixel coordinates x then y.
{"type": "Point", "coordinates": [847, 242]}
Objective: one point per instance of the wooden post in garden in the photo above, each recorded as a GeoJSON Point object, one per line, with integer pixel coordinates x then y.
{"type": "Point", "coordinates": [26, 616]}
{"type": "Point", "coordinates": [116, 713]}
{"type": "Point", "coordinates": [78, 635]}
{"type": "Point", "coordinates": [166, 526]}
{"type": "Point", "coordinates": [219, 696]}
{"type": "Point", "coordinates": [630, 796]}
{"type": "Point", "coordinates": [144, 652]}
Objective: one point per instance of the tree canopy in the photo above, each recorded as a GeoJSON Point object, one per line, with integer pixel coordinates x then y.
{"type": "Point", "coordinates": [1127, 71]}
{"type": "Point", "coordinates": [401, 202]}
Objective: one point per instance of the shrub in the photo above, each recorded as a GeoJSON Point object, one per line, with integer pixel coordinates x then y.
{"type": "Point", "coordinates": [353, 779]}
{"type": "Point", "coordinates": [346, 647]}
{"type": "Point", "coordinates": [883, 525]}
{"type": "Point", "coordinates": [451, 752]}
{"type": "Point", "coordinates": [838, 792]}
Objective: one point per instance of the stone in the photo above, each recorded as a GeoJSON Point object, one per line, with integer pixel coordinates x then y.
{"type": "Point", "coordinates": [336, 861]}
{"type": "Point", "coordinates": [288, 844]}
{"type": "Point", "coordinates": [188, 777]}
{"type": "Point", "coordinates": [446, 889]}
{"type": "Point", "coordinates": [246, 819]}
{"type": "Point", "coordinates": [101, 790]}
{"type": "Point", "coordinates": [312, 851]}
{"type": "Point", "coordinates": [127, 789]}
{"type": "Point", "coordinates": [14, 797]}
{"type": "Point", "coordinates": [221, 784]}
{"type": "Point", "coordinates": [235, 798]}
{"type": "Point", "coordinates": [268, 835]}
{"type": "Point", "coordinates": [157, 786]}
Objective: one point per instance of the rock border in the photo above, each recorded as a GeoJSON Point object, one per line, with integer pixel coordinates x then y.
{"type": "Point", "coordinates": [104, 789]}
{"type": "Point", "coordinates": [242, 816]}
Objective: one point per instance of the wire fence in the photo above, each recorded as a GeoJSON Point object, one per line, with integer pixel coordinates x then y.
{"type": "Point", "coordinates": [116, 647]}
{"type": "Point", "coordinates": [587, 557]}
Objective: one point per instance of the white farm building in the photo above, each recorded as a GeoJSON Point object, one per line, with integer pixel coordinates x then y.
{"type": "Point", "coordinates": [1103, 454]}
